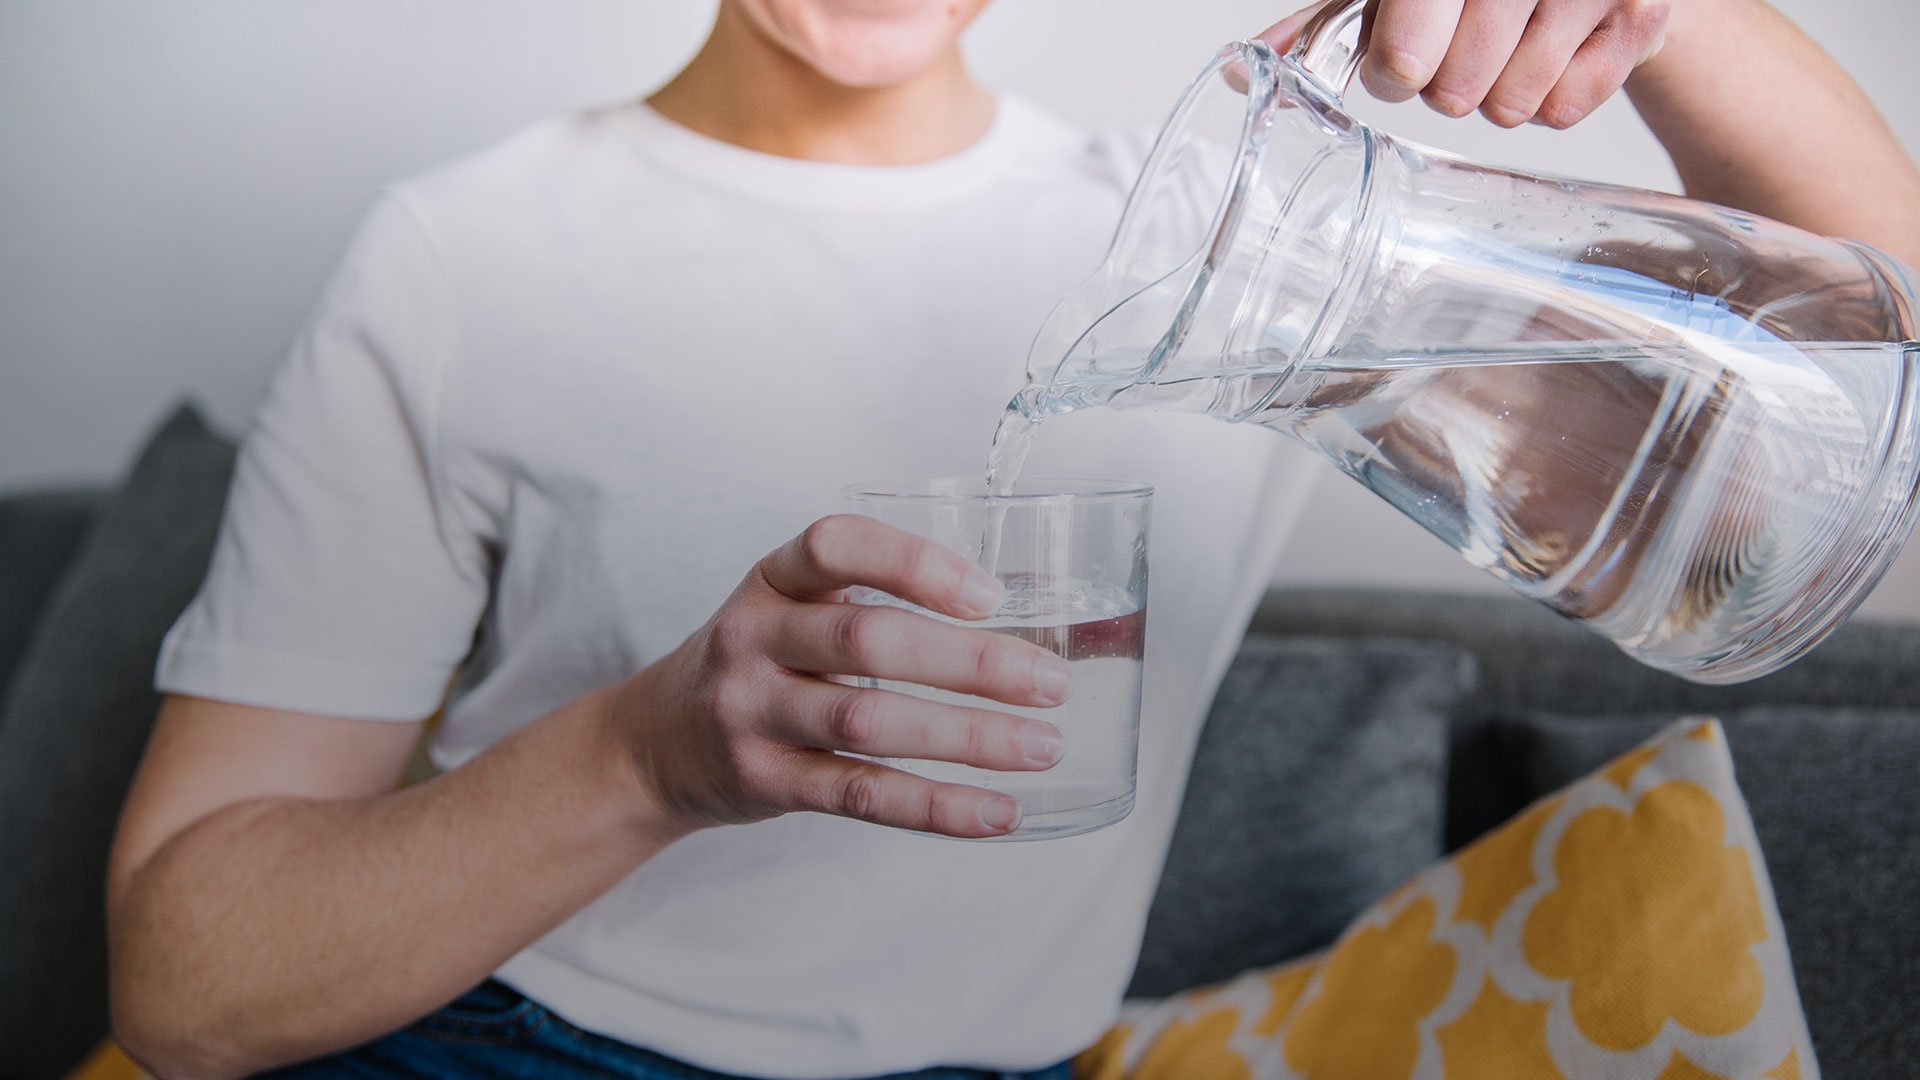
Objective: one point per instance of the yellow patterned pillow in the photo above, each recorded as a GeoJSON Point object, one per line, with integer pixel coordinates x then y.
{"type": "Point", "coordinates": [1623, 928]}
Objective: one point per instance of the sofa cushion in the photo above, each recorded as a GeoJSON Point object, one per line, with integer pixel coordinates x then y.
{"type": "Point", "coordinates": [39, 533]}
{"type": "Point", "coordinates": [1831, 790]}
{"type": "Point", "coordinates": [1532, 659]}
{"type": "Point", "coordinates": [72, 727]}
{"type": "Point", "coordinates": [1622, 927]}
{"type": "Point", "coordinates": [1316, 785]}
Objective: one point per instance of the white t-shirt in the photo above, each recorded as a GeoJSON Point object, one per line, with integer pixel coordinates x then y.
{"type": "Point", "coordinates": [563, 394]}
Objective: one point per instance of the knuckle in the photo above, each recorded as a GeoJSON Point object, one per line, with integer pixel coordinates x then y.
{"type": "Point", "coordinates": [989, 740]}
{"type": "Point", "coordinates": [1612, 38]}
{"type": "Point", "coordinates": [765, 782]}
{"type": "Point", "coordinates": [994, 663]}
{"type": "Point", "coordinates": [926, 571]}
{"type": "Point", "coordinates": [855, 636]}
{"type": "Point", "coordinates": [733, 700]}
{"type": "Point", "coordinates": [857, 795]}
{"type": "Point", "coordinates": [939, 807]}
{"type": "Point", "coordinates": [982, 741]}
{"type": "Point", "coordinates": [1642, 19]}
{"type": "Point", "coordinates": [820, 540]}
{"type": "Point", "coordinates": [853, 720]}
{"type": "Point", "coordinates": [732, 637]}
{"type": "Point", "coordinates": [751, 770]}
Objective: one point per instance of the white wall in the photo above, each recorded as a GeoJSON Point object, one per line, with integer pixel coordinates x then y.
{"type": "Point", "coordinates": [177, 177]}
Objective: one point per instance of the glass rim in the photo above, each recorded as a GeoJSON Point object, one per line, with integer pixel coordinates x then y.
{"type": "Point", "coordinates": [960, 489]}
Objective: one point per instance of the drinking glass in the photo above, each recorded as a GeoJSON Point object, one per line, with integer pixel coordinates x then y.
{"type": "Point", "coordinates": [1073, 557]}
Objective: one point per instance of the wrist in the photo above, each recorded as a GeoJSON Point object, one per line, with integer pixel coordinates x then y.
{"type": "Point", "coordinates": [1695, 42]}
{"type": "Point", "coordinates": [625, 787]}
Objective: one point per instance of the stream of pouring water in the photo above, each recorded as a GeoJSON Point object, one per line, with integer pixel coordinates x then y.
{"type": "Point", "coordinates": [1013, 436]}
{"type": "Point", "coordinates": [1012, 441]}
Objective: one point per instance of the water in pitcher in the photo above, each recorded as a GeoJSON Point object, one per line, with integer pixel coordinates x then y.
{"type": "Point", "coordinates": [1661, 494]}
{"type": "Point", "coordinates": [1101, 634]}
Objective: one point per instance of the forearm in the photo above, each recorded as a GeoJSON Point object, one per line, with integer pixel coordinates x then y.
{"type": "Point", "coordinates": [1756, 116]}
{"type": "Point", "coordinates": [282, 929]}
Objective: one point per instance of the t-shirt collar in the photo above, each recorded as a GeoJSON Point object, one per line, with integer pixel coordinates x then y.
{"type": "Point", "coordinates": [792, 180]}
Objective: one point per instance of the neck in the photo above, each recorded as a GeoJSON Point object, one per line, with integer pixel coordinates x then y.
{"type": "Point", "coordinates": [745, 89]}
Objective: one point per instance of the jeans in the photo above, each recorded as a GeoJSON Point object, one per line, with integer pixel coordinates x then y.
{"type": "Point", "coordinates": [495, 1033]}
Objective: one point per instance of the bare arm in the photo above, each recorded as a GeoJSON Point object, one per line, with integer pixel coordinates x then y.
{"type": "Point", "coordinates": [1755, 115]}
{"type": "Point", "coordinates": [272, 899]}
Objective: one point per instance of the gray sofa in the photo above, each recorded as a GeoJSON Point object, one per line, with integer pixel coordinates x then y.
{"type": "Point", "coordinates": [1359, 736]}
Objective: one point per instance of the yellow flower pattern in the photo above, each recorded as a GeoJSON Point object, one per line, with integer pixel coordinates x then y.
{"type": "Point", "coordinates": [1105, 1059]}
{"type": "Point", "coordinates": [1677, 916]}
{"type": "Point", "coordinates": [1287, 984]}
{"type": "Point", "coordinates": [1679, 1068]}
{"type": "Point", "coordinates": [1499, 1037]}
{"type": "Point", "coordinates": [1376, 986]}
{"type": "Point", "coordinates": [1622, 770]}
{"type": "Point", "coordinates": [1494, 869]}
{"type": "Point", "coordinates": [1616, 929]}
{"type": "Point", "coordinates": [1196, 1051]}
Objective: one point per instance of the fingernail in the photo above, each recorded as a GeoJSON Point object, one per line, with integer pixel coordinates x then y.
{"type": "Point", "coordinates": [1000, 815]}
{"type": "Point", "coordinates": [981, 592]}
{"type": "Point", "coordinates": [1041, 743]}
{"type": "Point", "coordinates": [1051, 679]}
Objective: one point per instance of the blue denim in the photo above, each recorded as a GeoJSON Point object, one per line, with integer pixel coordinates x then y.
{"type": "Point", "coordinates": [495, 1033]}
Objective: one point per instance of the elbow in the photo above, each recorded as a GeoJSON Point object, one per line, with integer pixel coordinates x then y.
{"type": "Point", "coordinates": [163, 1034]}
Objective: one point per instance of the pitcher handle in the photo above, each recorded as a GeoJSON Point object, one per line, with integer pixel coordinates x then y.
{"type": "Point", "coordinates": [1329, 46]}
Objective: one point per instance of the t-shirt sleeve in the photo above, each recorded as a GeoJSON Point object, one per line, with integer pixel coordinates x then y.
{"type": "Point", "coordinates": [341, 583]}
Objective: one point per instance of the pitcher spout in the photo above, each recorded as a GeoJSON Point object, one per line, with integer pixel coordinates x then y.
{"type": "Point", "coordinates": [1235, 240]}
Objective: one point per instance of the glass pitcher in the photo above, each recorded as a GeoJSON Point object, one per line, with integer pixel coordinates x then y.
{"type": "Point", "coordinates": [1692, 429]}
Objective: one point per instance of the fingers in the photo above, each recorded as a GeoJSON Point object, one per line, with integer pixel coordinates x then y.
{"type": "Point", "coordinates": [889, 643]}
{"type": "Point", "coordinates": [1554, 61]}
{"type": "Point", "coordinates": [1485, 39]}
{"type": "Point", "coordinates": [1538, 62]}
{"type": "Point", "coordinates": [845, 550]}
{"type": "Point", "coordinates": [1598, 68]}
{"type": "Point", "coordinates": [884, 724]}
{"type": "Point", "coordinates": [1406, 44]}
{"type": "Point", "coordinates": [872, 792]}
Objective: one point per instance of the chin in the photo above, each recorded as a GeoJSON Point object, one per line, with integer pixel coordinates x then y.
{"type": "Point", "coordinates": [864, 43]}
